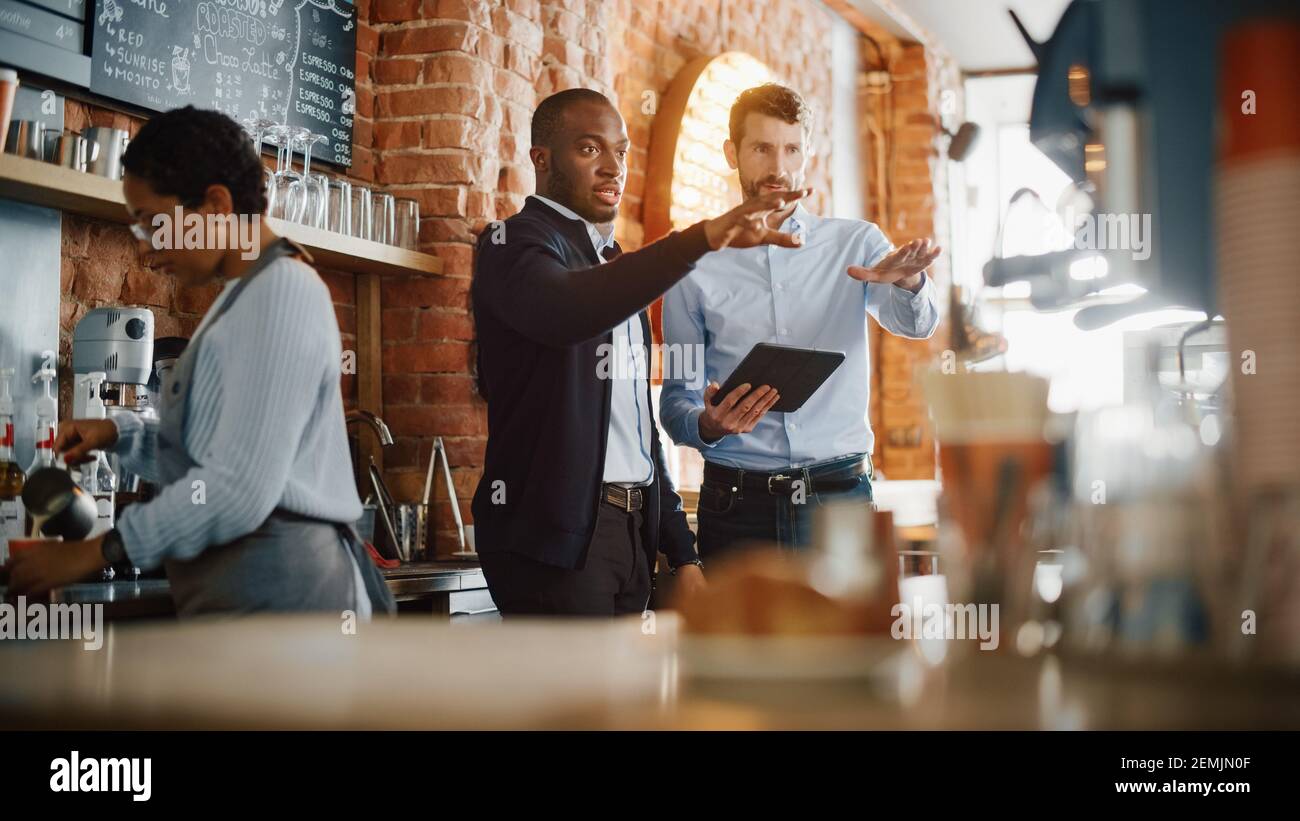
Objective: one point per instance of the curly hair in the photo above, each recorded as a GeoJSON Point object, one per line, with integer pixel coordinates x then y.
{"type": "Point", "coordinates": [183, 151]}
{"type": "Point", "coordinates": [773, 100]}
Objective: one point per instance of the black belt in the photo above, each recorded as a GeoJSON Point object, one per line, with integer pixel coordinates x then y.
{"type": "Point", "coordinates": [815, 478]}
{"type": "Point", "coordinates": [627, 499]}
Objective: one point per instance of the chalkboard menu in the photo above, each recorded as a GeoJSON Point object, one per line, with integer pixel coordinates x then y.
{"type": "Point", "coordinates": [286, 60]}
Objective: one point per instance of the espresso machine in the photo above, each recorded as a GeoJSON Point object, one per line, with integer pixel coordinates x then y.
{"type": "Point", "coordinates": [119, 343]}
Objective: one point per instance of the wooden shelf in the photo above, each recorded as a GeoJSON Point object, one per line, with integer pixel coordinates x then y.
{"type": "Point", "coordinates": [88, 195]}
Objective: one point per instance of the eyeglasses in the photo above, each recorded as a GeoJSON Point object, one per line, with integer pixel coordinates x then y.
{"type": "Point", "coordinates": [143, 228]}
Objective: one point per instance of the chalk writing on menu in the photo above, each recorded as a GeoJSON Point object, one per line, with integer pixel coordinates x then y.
{"type": "Point", "coordinates": [283, 60]}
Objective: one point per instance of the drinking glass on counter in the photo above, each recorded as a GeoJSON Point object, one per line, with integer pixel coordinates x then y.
{"type": "Point", "coordinates": [408, 224]}
{"type": "Point", "coordinates": [317, 213]}
{"type": "Point", "coordinates": [383, 217]}
{"type": "Point", "coordinates": [310, 192]}
{"type": "Point", "coordinates": [923, 590]}
{"type": "Point", "coordinates": [338, 208]}
{"type": "Point", "coordinates": [360, 212]}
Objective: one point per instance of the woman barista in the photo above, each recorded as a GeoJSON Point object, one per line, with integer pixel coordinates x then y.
{"type": "Point", "coordinates": [250, 451]}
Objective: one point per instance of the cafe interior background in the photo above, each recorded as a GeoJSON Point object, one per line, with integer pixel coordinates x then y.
{"type": "Point", "coordinates": [1159, 504]}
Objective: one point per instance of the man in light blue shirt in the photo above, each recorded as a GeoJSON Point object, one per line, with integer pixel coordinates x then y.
{"type": "Point", "coordinates": [765, 472]}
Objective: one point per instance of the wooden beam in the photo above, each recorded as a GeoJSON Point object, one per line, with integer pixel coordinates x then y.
{"type": "Point", "coordinates": [370, 369]}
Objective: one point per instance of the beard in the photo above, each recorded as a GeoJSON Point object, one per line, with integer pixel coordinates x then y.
{"type": "Point", "coordinates": [750, 188]}
{"type": "Point", "coordinates": [561, 188]}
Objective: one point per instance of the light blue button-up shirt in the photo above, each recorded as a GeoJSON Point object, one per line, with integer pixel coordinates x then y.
{"type": "Point", "coordinates": [627, 453]}
{"type": "Point", "coordinates": [736, 298]}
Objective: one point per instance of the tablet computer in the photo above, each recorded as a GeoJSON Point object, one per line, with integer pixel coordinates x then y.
{"type": "Point", "coordinates": [796, 373]}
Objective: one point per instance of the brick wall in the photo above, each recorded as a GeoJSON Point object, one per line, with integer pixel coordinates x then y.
{"type": "Point", "coordinates": [445, 92]}
{"type": "Point", "coordinates": [917, 207]}
{"type": "Point", "coordinates": [658, 37]}
{"type": "Point", "coordinates": [454, 83]}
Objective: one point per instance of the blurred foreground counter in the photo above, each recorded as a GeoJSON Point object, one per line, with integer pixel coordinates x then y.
{"type": "Point", "coordinates": [455, 589]}
{"type": "Point", "coordinates": [413, 673]}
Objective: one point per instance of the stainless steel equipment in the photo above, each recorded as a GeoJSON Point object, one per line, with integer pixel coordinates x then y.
{"type": "Point", "coordinates": [117, 341]}
{"type": "Point", "coordinates": [70, 150]}
{"type": "Point", "coordinates": [1125, 105]}
{"type": "Point", "coordinates": [425, 530]}
{"type": "Point", "coordinates": [26, 138]}
{"type": "Point", "coordinates": [58, 506]}
{"type": "Point", "coordinates": [109, 144]}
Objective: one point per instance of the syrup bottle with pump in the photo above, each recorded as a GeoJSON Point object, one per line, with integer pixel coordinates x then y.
{"type": "Point", "coordinates": [12, 516]}
{"type": "Point", "coordinates": [47, 421]}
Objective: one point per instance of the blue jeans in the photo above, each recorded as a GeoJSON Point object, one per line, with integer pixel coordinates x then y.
{"type": "Point", "coordinates": [729, 520]}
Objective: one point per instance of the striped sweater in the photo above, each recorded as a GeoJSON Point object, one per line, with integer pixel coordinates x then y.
{"type": "Point", "coordinates": [264, 424]}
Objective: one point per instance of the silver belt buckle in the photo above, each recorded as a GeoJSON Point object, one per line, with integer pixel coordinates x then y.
{"type": "Point", "coordinates": [778, 477]}
{"type": "Point", "coordinates": [627, 500]}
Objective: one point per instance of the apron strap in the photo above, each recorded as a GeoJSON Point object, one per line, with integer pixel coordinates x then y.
{"type": "Point", "coordinates": [282, 247]}
{"type": "Point", "coordinates": [381, 598]}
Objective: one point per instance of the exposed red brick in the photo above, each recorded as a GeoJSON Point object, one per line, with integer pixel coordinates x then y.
{"type": "Point", "coordinates": [457, 258]}
{"type": "Point", "coordinates": [394, 11]}
{"type": "Point", "coordinates": [428, 167]}
{"type": "Point", "coordinates": [477, 12]}
{"type": "Point", "coordinates": [397, 324]}
{"type": "Point", "coordinates": [447, 389]}
{"type": "Point", "coordinates": [397, 134]}
{"type": "Point", "coordinates": [427, 357]}
{"type": "Point", "coordinates": [401, 388]}
{"type": "Point", "coordinates": [146, 287]}
{"type": "Point", "coordinates": [428, 39]}
{"type": "Point", "coordinates": [398, 71]}
{"type": "Point", "coordinates": [438, 325]}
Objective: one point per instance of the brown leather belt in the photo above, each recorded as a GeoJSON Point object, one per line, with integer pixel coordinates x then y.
{"type": "Point", "coordinates": [627, 499]}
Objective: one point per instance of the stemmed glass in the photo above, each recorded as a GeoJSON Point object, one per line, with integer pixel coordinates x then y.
{"type": "Point", "coordinates": [280, 204]}
{"type": "Point", "coordinates": [256, 128]}
{"type": "Point", "coordinates": [315, 186]}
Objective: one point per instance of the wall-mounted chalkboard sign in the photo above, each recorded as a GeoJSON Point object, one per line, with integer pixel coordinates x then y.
{"type": "Point", "coordinates": [287, 60]}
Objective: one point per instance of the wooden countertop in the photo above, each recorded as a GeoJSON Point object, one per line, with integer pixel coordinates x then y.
{"type": "Point", "coordinates": [413, 673]}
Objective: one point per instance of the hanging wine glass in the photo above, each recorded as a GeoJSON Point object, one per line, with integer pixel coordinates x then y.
{"type": "Point", "coordinates": [316, 186]}
{"type": "Point", "coordinates": [256, 128]}
{"type": "Point", "coordinates": [278, 188]}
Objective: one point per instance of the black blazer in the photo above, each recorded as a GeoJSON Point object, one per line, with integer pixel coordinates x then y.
{"type": "Point", "coordinates": [543, 306]}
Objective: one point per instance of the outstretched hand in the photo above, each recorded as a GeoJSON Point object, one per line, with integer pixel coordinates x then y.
{"type": "Point", "coordinates": [746, 225]}
{"type": "Point", "coordinates": [902, 266]}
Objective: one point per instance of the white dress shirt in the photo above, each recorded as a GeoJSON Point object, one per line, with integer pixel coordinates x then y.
{"type": "Point", "coordinates": [627, 453]}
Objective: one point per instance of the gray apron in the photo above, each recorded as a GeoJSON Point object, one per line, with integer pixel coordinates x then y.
{"type": "Point", "coordinates": [291, 562]}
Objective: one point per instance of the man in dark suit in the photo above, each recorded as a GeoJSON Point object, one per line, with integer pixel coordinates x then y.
{"type": "Point", "coordinates": [575, 500]}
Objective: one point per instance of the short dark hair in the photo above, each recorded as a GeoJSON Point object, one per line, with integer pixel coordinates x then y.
{"type": "Point", "coordinates": [773, 100]}
{"type": "Point", "coordinates": [549, 115]}
{"type": "Point", "coordinates": [183, 151]}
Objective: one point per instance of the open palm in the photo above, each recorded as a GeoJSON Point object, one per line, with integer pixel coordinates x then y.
{"type": "Point", "coordinates": [899, 264]}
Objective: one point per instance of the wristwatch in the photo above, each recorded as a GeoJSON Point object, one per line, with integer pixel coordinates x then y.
{"type": "Point", "coordinates": [112, 548]}
{"type": "Point", "coordinates": [697, 563]}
